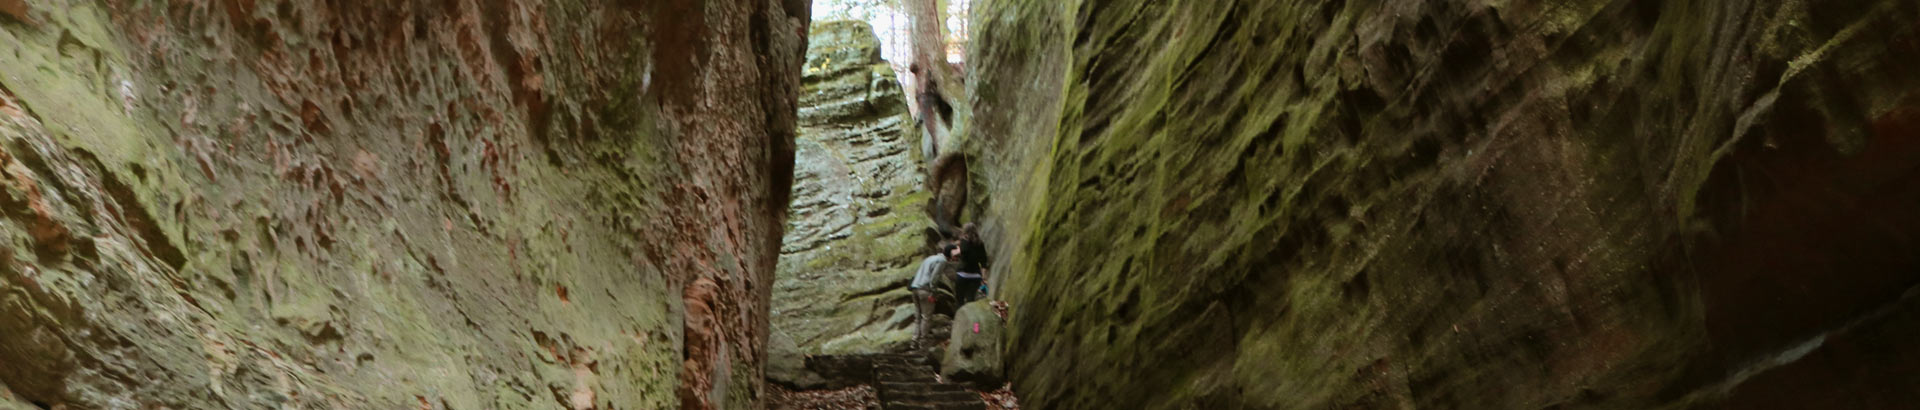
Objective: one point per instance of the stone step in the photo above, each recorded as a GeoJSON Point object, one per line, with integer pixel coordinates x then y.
{"type": "Point", "coordinates": [906, 381]}
{"type": "Point", "coordinates": [877, 364]}
{"type": "Point", "coordinates": [888, 386]}
{"type": "Point", "coordinates": [903, 368]}
{"type": "Point", "coordinates": [926, 395]}
{"type": "Point", "coordinates": [934, 396]}
{"type": "Point", "coordinates": [904, 377]}
{"type": "Point", "coordinates": [972, 405]}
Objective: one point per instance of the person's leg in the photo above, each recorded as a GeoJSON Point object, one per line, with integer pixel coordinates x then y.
{"type": "Point", "coordinates": [968, 287]}
{"type": "Point", "coordinates": [923, 312]}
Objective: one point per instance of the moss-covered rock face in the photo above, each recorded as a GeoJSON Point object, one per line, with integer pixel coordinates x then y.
{"type": "Point", "coordinates": [855, 224]}
{"type": "Point", "coordinates": [1502, 204]}
{"type": "Point", "coordinates": [407, 204]}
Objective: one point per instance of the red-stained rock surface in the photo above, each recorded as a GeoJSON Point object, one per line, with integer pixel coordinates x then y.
{"type": "Point", "coordinates": [392, 204]}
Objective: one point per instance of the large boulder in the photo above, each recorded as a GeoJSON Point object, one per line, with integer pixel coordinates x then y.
{"type": "Point", "coordinates": [973, 353]}
{"type": "Point", "coordinates": [855, 229]}
{"type": "Point", "coordinates": [1454, 204]}
{"type": "Point", "coordinates": [391, 204]}
{"type": "Point", "coordinates": [787, 366]}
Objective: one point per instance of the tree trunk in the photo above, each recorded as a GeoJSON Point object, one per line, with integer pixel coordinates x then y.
{"type": "Point", "coordinates": [927, 21]}
{"type": "Point", "coordinates": [931, 95]}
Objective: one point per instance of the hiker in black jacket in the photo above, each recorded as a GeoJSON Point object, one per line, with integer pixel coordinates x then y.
{"type": "Point", "coordinates": [973, 264]}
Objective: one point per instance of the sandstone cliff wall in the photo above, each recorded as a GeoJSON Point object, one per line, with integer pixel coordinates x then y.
{"type": "Point", "coordinates": [1407, 204]}
{"type": "Point", "coordinates": [857, 217]}
{"type": "Point", "coordinates": [391, 204]}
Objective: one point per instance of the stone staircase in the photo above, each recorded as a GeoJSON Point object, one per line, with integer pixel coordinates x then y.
{"type": "Point", "coordinates": [902, 380]}
{"type": "Point", "coordinates": [907, 382]}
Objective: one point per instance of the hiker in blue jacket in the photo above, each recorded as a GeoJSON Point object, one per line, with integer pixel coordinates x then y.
{"type": "Point", "coordinates": [922, 287]}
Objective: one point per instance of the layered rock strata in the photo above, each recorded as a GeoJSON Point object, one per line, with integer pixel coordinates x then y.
{"type": "Point", "coordinates": [856, 228]}
{"type": "Point", "coordinates": [405, 204]}
{"type": "Point", "coordinates": [1405, 204]}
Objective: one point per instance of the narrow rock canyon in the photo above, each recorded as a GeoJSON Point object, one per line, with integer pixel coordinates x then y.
{"type": "Point", "coordinates": [720, 204]}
